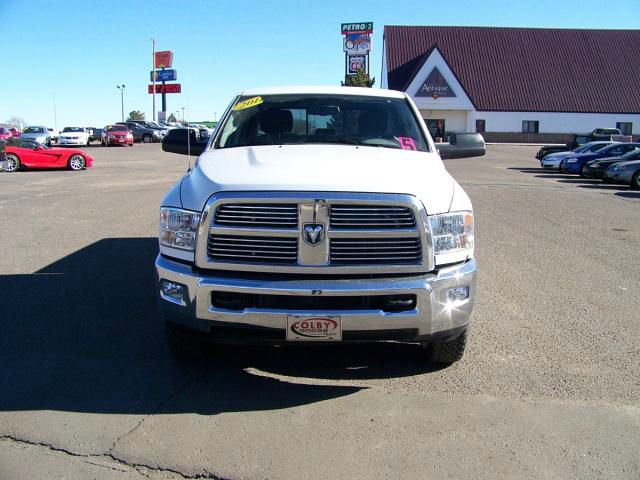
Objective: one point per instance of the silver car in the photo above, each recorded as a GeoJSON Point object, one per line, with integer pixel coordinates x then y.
{"type": "Point", "coordinates": [38, 134]}
{"type": "Point", "coordinates": [553, 160]}
{"type": "Point", "coordinates": [626, 173]}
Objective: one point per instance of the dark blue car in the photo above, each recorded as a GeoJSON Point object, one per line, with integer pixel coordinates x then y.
{"type": "Point", "coordinates": [578, 163]}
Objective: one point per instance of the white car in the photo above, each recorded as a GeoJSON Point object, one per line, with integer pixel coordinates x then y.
{"type": "Point", "coordinates": [335, 220]}
{"type": "Point", "coordinates": [553, 160]}
{"type": "Point", "coordinates": [74, 136]}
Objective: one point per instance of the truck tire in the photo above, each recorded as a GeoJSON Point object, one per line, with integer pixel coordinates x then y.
{"type": "Point", "coordinates": [635, 181]}
{"type": "Point", "coordinates": [448, 351]}
{"type": "Point", "coordinates": [182, 343]}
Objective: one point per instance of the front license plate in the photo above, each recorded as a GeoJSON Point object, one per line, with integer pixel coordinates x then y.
{"type": "Point", "coordinates": [314, 328]}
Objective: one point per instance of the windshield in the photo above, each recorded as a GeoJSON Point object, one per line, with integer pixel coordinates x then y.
{"type": "Point", "coordinates": [152, 125]}
{"type": "Point", "coordinates": [632, 155]}
{"type": "Point", "coordinates": [335, 119]}
{"type": "Point", "coordinates": [116, 128]}
{"type": "Point", "coordinates": [33, 130]}
{"type": "Point", "coordinates": [72, 129]}
{"type": "Point", "coordinates": [597, 146]}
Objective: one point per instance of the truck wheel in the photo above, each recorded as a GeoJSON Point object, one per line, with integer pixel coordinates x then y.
{"type": "Point", "coordinates": [448, 351]}
{"type": "Point", "coordinates": [635, 181]}
{"type": "Point", "coordinates": [182, 343]}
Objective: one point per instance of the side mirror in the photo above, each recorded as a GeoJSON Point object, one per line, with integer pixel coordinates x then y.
{"type": "Point", "coordinates": [462, 145]}
{"type": "Point", "coordinates": [183, 141]}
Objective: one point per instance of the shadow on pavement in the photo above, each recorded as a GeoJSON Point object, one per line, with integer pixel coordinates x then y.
{"type": "Point", "coordinates": [83, 334]}
{"type": "Point", "coordinates": [629, 194]}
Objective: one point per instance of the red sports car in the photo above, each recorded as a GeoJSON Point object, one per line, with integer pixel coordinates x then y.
{"type": "Point", "coordinates": [30, 154]}
{"type": "Point", "coordinates": [116, 135]}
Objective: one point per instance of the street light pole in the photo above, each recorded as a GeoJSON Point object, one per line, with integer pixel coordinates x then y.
{"type": "Point", "coordinates": [153, 75]}
{"type": "Point", "coordinates": [121, 88]}
{"type": "Point", "coordinates": [182, 114]}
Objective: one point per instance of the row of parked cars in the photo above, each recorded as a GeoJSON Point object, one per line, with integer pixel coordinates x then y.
{"type": "Point", "coordinates": [610, 161]}
{"type": "Point", "coordinates": [119, 133]}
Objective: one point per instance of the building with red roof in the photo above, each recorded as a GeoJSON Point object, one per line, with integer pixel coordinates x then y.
{"type": "Point", "coordinates": [517, 84]}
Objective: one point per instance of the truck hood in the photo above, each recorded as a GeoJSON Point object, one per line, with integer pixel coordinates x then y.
{"type": "Point", "coordinates": [320, 168]}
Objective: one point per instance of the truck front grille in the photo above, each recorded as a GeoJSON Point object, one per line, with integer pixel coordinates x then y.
{"type": "Point", "coordinates": [377, 217]}
{"type": "Point", "coordinates": [257, 215]}
{"type": "Point", "coordinates": [370, 251]}
{"type": "Point", "coordinates": [233, 248]}
{"type": "Point", "coordinates": [332, 233]}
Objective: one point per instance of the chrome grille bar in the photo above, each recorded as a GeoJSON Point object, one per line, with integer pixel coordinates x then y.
{"type": "Point", "coordinates": [257, 215]}
{"type": "Point", "coordinates": [253, 249]}
{"type": "Point", "coordinates": [367, 251]}
{"type": "Point", "coordinates": [367, 216]}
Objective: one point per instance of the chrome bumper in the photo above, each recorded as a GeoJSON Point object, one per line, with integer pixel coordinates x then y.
{"type": "Point", "coordinates": [433, 314]}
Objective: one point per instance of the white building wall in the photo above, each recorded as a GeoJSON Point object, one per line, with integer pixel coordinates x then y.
{"type": "Point", "coordinates": [551, 122]}
{"type": "Point", "coordinates": [454, 120]}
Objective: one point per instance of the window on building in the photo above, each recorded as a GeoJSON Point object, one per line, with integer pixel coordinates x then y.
{"type": "Point", "coordinates": [530, 126]}
{"type": "Point", "coordinates": [626, 128]}
{"type": "Point", "coordinates": [480, 126]}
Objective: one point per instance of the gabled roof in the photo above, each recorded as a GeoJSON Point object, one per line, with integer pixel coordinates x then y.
{"type": "Point", "coordinates": [526, 69]}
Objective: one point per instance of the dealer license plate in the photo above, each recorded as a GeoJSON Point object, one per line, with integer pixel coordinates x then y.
{"type": "Point", "coordinates": [314, 328]}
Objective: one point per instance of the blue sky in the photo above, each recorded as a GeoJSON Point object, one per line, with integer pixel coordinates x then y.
{"type": "Point", "coordinates": [78, 51]}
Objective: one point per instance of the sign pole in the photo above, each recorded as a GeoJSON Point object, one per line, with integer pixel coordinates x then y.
{"type": "Point", "coordinates": [153, 77]}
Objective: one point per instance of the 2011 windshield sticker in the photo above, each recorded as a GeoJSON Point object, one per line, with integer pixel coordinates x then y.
{"type": "Point", "coordinates": [407, 143]}
{"type": "Point", "coordinates": [252, 102]}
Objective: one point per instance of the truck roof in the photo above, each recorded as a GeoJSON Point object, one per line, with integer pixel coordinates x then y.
{"type": "Point", "coordinates": [323, 89]}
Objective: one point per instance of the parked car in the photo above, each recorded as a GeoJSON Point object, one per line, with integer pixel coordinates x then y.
{"type": "Point", "coordinates": [553, 160]}
{"type": "Point", "coordinates": [38, 134]}
{"type": "Point", "coordinates": [54, 134]}
{"type": "Point", "coordinates": [93, 136]}
{"type": "Point", "coordinates": [141, 133]}
{"type": "Point", "coordinates": [574, 143]}
{"type": "Point", "coordinates": [14, 131]}
{"type": "Point", "coordinates": [596, 168]}
{"type": "Point", "coordinates": [263, 242]}
{"type": "Point", "coordinates": [577, 163]}
{"type": "Point", "coordinates": [116, 135]}
{"type": "Point", "coordinates": [31, 154]}
{"type": "Point", "coordinates": [605, 132]}
{"type": "Point", "coordinates": [626, 173]}
{"type": "Point", "coordinates": [5, 133]}
{"type": "Point", "coordinates": [74, 136]}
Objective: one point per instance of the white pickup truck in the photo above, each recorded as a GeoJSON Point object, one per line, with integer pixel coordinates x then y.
{"type": "Point", "coordinates": [317, 215]}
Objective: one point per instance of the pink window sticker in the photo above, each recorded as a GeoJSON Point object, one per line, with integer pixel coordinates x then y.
{"type": "Point", "coordinates": [407, 143]}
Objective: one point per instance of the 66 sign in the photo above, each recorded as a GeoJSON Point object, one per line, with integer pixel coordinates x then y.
{"type": "Point", "coordinates": [355, 63]}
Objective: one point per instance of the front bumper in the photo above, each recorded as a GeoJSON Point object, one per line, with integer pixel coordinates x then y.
{"type": "Point", "coordinates": [594, 173]}
{"type": "Point", "coordinates": [570, 167]}
{"type": "Point", "coordinates": [432, 316]}
{"type": "Point", "coordinates": [622, 177]}
{"type": "Point", "coordinates": [66, 141]}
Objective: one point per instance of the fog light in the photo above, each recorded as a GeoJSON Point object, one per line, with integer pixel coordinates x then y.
{"type": "Point", "coordinates": [174, 292]}
{"type": "Point", "coordinates": [458, 294]}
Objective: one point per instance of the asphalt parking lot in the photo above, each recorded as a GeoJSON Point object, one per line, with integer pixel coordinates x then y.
{"type": "Point", "coordinates": [548, 388]}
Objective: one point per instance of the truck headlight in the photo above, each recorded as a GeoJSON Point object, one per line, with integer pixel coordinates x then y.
{"type": "Point", "coordinates": [452, 235]}
{"type": "Point", "coordinates": [178, 228]}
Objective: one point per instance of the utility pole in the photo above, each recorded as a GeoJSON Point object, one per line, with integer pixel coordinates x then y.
{"type": "Point", "coordinates": [182, 114]}
{"type": "Point", "coordinates": [121, 88]}
{"type": "Point", "coordinates": [153, 76]}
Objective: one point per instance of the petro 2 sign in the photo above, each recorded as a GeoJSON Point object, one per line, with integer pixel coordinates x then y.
{"type": "Point", "coordinates": [363, 27]}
